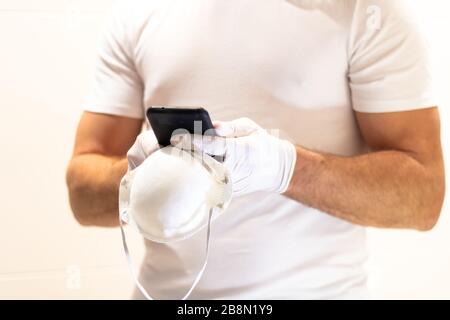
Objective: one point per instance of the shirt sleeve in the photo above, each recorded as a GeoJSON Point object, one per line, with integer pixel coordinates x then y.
{"type": "Point", "coordinates": [117, 87]}
{"type": "Point", "coordinates": [388, 63]}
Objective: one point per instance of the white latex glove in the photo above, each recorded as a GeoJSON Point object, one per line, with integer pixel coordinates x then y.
{"type": "Point", "coordinates": [257, 161]}
{"type": "Point", "coordinates": [145, 145]}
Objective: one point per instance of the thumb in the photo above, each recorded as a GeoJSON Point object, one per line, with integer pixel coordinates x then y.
{"type": "Point", "coordinates": [241, 127]}
{"type": "Point", "coordinates": [144, 146]}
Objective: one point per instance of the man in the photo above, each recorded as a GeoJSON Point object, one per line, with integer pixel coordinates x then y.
{"type": "Point", "coordinates": [346, 81]}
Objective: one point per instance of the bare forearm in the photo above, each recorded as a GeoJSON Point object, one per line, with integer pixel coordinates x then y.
{"type": "Point", "coordinates": [93, 182]}
{"type": "Point", "coordinates": [385, 189]}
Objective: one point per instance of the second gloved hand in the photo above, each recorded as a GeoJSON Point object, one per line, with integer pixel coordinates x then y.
{"type": "Point", "coordinates": [257, 161]}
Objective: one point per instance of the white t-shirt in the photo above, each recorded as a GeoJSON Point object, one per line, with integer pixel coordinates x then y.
{"type": "Point", "coordinates": [300, 66]}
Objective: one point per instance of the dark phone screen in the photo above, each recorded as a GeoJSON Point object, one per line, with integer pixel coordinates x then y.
{"type": "Point", "coordinates": [166, 122]}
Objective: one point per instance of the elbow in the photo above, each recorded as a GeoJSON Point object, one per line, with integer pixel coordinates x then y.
{"type": "Point", "coordinates": [430, 213]}
{"type": "Point", "coordinates": [93, 198]}
{"type": "Point", "coordinates": [428, 220]}
{"type": "Point", "coordinates": [78, 198]}
{"type": "Point", "coordinates": [82, 218]}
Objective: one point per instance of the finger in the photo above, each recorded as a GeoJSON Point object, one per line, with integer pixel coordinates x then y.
{"type": "Point", "coordinates": [182, 141]}
{"type": "Point", "coordinates": [211, 145]}
{"type": "Point", "coordinates": [148, 142]}
{"type": "Point", "coordinates": [237, 128]}
{"type": "Point", "coordinates": [215, 146]}
{"type": "Point", "coordinates": [144, 146]}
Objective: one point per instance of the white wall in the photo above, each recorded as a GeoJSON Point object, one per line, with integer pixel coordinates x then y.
{"type": "Point", "coordinates": [46, 57]}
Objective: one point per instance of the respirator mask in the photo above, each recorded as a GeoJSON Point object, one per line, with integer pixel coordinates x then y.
{"type": "Point", "coordinates": [172, 196]}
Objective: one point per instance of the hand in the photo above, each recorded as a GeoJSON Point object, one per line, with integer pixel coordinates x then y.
{"type": "Point", "coordinates": [256, 160]}
{"type": "Point", "coordinates": [145, 145]}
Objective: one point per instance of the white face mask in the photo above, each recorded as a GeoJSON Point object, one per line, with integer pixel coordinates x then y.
{"type": "Point", "coordinates": [171, 196]}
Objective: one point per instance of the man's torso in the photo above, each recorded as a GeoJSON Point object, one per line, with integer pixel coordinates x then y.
{"type": "Point", "coordinates": [285, 67]}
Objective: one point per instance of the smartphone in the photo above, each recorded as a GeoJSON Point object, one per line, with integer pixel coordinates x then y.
{"type": "Point", "coordinates": [166, 121]}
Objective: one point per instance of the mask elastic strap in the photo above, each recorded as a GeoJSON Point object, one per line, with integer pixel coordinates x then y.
{"type": "Point", "coordinates": [130, 263]}
{"type": "Point", "coordinates": [132, 268]}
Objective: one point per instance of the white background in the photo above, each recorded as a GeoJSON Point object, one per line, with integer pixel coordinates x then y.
{"type": "Point", "coordinates": [46, 57]}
